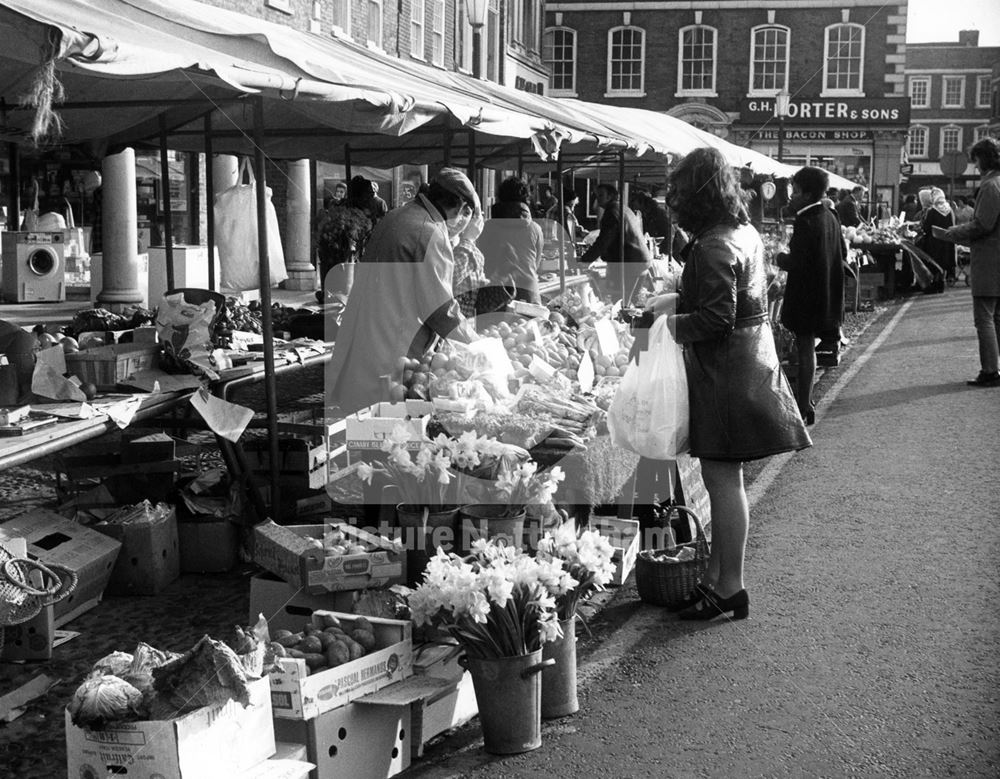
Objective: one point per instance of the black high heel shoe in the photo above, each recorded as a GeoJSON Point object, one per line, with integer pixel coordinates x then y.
{"type": "Point", "coordinates": [711, 606]}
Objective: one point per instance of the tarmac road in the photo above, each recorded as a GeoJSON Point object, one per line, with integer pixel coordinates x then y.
{"type": "Point", "coordinates": [873, 644]}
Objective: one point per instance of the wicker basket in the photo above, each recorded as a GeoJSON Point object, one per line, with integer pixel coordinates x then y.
{"type": "Point", "coordinates": [20, 599]}
{"type": "Point", "coordinates": [668, 584]}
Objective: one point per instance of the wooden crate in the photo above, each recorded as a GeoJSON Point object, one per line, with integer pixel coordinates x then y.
{"type": "Point", "coordinates": [105, 366]}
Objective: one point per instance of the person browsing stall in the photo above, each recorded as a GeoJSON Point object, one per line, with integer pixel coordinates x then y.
{"type": "Point", "coordinates": [982, 236]}
{"type": "Point", "coordinates": [814, 293]}
{"type": "Point", "coordinates": [740, 403]}
{"type": "Point", "coordinates": [512, 244]}
{"type": "Point", "coordinates": [402, 298]}
{"type": "Point", "coordinates": [625, 270]}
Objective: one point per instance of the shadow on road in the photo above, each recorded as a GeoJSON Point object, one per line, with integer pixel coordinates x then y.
{"type": "Point", "coordinates": [965, 337]}
{"type": "Point", "coordinates": [899, 396]}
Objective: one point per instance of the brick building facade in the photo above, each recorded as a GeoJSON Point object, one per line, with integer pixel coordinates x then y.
{"type": "Point", "coordinates": [953, 89]}
{"type": "Point", "coordinates": [719, 64]}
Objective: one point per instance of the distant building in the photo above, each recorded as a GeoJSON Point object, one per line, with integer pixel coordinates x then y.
{"type": "Point", "coordinates": [719, 65]}
{"type": "Point", "coordinates": [953, 103]}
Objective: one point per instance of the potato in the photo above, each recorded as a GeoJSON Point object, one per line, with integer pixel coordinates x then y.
{"type": "Point", "coordinates": [295, 653]}
{"type": "Point", "coordinates": [278, 649]}
{"type": "Point", "coordinates": [329, 620]}
{"type": "Point", "coordinates": [333, 631]}
{"type": "Point", "coordinates": [310, 645]}
{"type": "Point", "coordinates": [290, 640]}
{"type": "Point", "coordinates": [326, 639]}
{"type": "Point", "coordinates": [315, 659]}
{"type": "Point", "coordinates": [337, 654]}
{"type": "Point", "coordinates": [357, 651]}
{"type": "Point", "coordinates": [310, 628]}
{"type": "Point", "coordinates": [279, 634]}
{"type": "Point", "coordinates": [364, 637]}
{"type": "Point", "coordinates": [361, 623]}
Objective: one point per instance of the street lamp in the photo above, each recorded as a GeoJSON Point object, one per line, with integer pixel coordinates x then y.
{"type": "Point", "coordinates": [781, 104]}
{"type": "Point", "coordinates": [476, 11]}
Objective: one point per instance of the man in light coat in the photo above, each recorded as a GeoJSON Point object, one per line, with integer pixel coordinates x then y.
{"type": "Point", "coordinates": [982, 236]}
{"type": "Point", "coordinates": [402, 297]}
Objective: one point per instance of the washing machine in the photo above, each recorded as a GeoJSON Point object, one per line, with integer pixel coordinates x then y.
{"type": "Point", "coordinates": [33, 267]}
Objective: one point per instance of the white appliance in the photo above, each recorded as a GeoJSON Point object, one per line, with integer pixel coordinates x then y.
{"type": "Point", "coordinates": [33, 267]}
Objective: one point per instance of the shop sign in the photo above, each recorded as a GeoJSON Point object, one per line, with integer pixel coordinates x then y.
{"type": "Point", "coordinates": [832, 110]}
{"type": "Point", "coordinates": [816, 135]}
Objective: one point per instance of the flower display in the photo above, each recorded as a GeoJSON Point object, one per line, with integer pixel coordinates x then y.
{"type": "Point", "coordinates": [524, 486]}
{"type": "Point", "coordinates": [586, 555]}
{"type": "Point", "coordinates": [499, 602]}
{"type": "Point", "coordinates": [422, 477]}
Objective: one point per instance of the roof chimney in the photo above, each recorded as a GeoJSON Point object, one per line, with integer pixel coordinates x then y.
{"type": "Point", "coordinates": [968, 37]}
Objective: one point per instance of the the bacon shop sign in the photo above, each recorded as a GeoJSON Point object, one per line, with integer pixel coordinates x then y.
{"type": "Point", "coordinates": [831, 110]}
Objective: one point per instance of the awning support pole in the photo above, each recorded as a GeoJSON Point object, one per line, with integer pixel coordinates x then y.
{"type": "Point", "coordinates": [622, 203]}
{"type": "Point", "coordinates": [520, 161]}
{"type": "Point", "coordinates": [210, 202]}
{"type": "Point", "coordinates": [14, 203]}
{"type": "Point", "coordinates": [447, 146]}
{"type": "Point", "coordinates": [270, 386]}
{"type": "Point", "coordinates": [168, 230]}
{"type": "Point", "coordinates": [347, 165]}
{"type": "Point", "coordinates": [472, 156]}
{"type": "Point", "coordinates": [560, 226]}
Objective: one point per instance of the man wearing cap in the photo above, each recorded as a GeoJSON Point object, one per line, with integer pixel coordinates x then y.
{"type": "Point", "coordinates": [402, 296]}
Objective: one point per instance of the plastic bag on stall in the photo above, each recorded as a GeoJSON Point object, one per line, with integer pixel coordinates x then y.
{"type": "Point", "coordinates": [236, 235]}
{"type": "Point", "coordinates": [649, 413]}
{"type": "Point", "coordinates": [487, 361]}
{"type": "Point", "coordinates": [185, 330]}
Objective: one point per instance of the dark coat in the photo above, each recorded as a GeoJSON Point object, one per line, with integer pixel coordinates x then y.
{"type": "Point", "coordinates": [847, 210]}
{"type": "Point", "coordinates": [814, 293]}
{"type": "Point", "coordinates": [942, 252]}
{"type": "Point", "coordinates": [512, 246]}
{"type": "Point", "coordinates": [741, 405]}
{"type": "Point", "coordinates": [608, 243]}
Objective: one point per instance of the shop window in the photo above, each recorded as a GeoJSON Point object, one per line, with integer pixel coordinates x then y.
{"type": "Point", "coordinates": [559, 54]}
{"type": "Point", "coordinates": [437, 33]}
{"type": "Point", "coordinates": [983, 92]}
{"type": "Point", "coordinates": [920, 92]}
{"type": "Point", "coordinates": [953, 91]}
{"type": "Point", "coordinates": [342, 16]}
{"type": "Point", "coordinates": [768, 60]}
{"type": "Point", "coordinates": [418, 10]}
{"type": "Point", "coordinates": [696, 65]}
{"type": "Point", "coordinates": [916, 144]}
{"type": "Point", "coordinates": [951, 139]}
{"type": "Point", "coordinates": [843, 64]}
{"type": "Point", "coordinates": [280, 5]}
{"type": "Point", "coordinates": [983, 131]}
{"type": "Point", "coordinates": [626, 55]}
{"type": "Point", "coordinates": [375, 23]}
{"type": "Point", "coordinates": [491, 40]}
{"type": "Point", "coordinates": [463, 39]}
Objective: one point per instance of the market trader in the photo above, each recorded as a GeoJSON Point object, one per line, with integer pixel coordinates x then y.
{"type": "Point", "coordinates": [623, 272]}
{"type": "Point", "coordinates": [402, 296]}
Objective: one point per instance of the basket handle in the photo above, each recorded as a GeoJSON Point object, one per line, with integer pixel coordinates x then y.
{"type": "Point", "coordinates": [17, 572]}
{"type": "Point", "coordinates": [699, 525]}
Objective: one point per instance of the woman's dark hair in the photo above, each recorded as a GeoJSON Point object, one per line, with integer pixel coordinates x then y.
{"type": "Point", "coordinates": [611, 191]}
{"type": "Point", "coordinates": [987, 151]}
{"type": "Point", "coordinates": [569, 195]}
{"type": "Point", "coordinates": [513, 190]}
{"type": "Point", "coordinates": [703, 191]}
{"type": "Point", "coordinates": [812, 181]}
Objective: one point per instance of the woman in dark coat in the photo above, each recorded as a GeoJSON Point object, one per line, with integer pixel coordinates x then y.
{"type": "Point", "coordinates": [814, 293]}
{"type": "Point", "coordinates": [512, 244]}
{"type": "Point", "coordinates": [938, 214]}
{"type": "Point", "coordinates": [741, 405]}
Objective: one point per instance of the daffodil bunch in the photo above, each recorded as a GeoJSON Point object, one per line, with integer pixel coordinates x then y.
{"type": "Point", "coordinates": [518, 487]}
{"type": "Point", "coordinates": [499, 602]}
{"type": "Point", "coordinates": [423, 477]}
{"type": "Point", "coordinates": [586, 555]}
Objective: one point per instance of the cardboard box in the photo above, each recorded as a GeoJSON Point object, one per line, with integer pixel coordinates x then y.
{"type": "Point", "coordinates": [31, 640]}
{"type": "Point", "coordinates": [456, 703]}
{"type": "Point", "coordinates": [105, 366]}
{"type": "Point", "coordinates": [208, 544]}
{"type": "Point", "coordinates": [148, 448]}
{"type": "Point", "coordinates": [290, 761]}
{"type": "Point", "coordinates": [89, 554]}
{"type": "Point", "coordinates": [369, 427]}
{"type": "Point", "coordinates": [289, 552]}
{"type": "Point", "coordinates": [149, 559]}
{"type": "Point", "coordinates": [297, 695]}
{"type": "Point", "coordinates": [624, 537]}
{"type": "Point", "coordinates": [354, 741]}
{"type": "Point", "coordinates": [213, 742]}
{"type": "Point", "coordinates": [286, 607]}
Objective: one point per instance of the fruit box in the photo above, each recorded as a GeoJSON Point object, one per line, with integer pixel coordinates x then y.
{"type": "Point", "coordinates": [213, 742]}
{"type": "Point", "coordinates": [105, 366]}
{"type": "Point", "coordinates": [369, 427]}
{"type": "Point", "coordinates": [297, 695]}
{"type": "Point", "coordinates": [291, 553]}
{"type": "Point", "coordinates": [624, 537]}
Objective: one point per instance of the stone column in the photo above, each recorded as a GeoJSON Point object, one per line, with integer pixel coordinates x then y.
{"type": "Point", "coordinates": [225, 168]}
{"type": "Point", "coordinates": [119, 225]}
{"type": "Point", "coordinates": [299, 209]}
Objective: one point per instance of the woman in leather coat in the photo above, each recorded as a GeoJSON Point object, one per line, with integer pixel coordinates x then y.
{"type": "Point", "coordinates": [741, 405]}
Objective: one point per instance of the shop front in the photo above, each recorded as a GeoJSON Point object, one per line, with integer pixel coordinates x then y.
{"type": "Point", "coordinates": [861, 139]}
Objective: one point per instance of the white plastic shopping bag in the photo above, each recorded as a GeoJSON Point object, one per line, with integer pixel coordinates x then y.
{"type": "Point", "coordinates": [649, 413]}
{"type": "Point", "coordinates": [236, 235]}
